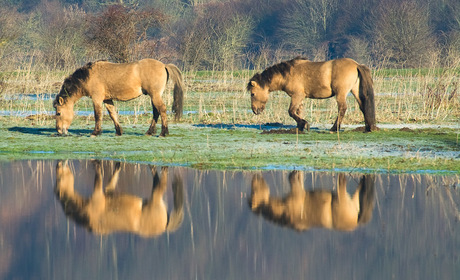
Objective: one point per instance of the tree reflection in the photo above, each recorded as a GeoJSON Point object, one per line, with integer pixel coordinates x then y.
{"type": "Point", "coordinates": [303, 210]}
{"type": "Point", "coordinates": [107, 211]}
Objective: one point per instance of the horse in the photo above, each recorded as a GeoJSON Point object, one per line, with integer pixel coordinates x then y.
{"type": "Point", "coordinates": [107, 211]}
{"type": "Point", "coordinates": [302, 210]}
{"type": "Point", "coordinates": [105, 82]}
{"type": "Point", "coordinates": [301, 78]}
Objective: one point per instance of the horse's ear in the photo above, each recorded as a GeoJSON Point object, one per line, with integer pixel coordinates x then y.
{"type": "Point", "coordinates": [60, 101]}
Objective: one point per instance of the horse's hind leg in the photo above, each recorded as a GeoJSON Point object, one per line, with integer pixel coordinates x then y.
{"type": "Point", "coordinates": [114, 116]}
{"type": "Point", "coordinates": [114, 179]}
{"type": "Point", "coordinates": [159, 107]}
{"type": "Point", "coordinates": [153, 128]}
{"type": "Point", "coordinates": [342, 108]}
{"type": "Point", "coordinates": [159, 181]}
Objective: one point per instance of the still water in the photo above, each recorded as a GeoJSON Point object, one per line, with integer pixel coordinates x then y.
{"type": "Point", "coordinates": [106, 220]}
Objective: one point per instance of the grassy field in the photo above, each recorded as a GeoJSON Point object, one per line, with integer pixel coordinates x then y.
{"type": "Point", "coordinates": [417, 111]}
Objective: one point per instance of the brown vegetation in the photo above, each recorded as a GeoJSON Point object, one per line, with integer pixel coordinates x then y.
{"type": "Point", "coordinates": [228, 34]}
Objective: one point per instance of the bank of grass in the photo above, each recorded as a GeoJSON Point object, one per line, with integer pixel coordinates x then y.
{"type": "Point", "coordinates": [228, 146]}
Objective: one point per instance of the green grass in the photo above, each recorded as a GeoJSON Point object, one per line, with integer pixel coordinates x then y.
{"type": "Point", "coordinates": [241, 147]}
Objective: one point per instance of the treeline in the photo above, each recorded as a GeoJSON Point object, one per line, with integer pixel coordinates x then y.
{"type": "Point", "coordinates": [228, 34]}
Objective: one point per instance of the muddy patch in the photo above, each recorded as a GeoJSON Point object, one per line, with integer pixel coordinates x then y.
{"type": "Point", "coordinates": [406, 129]}
{"type": "Point", "coordinates": [283, 131]}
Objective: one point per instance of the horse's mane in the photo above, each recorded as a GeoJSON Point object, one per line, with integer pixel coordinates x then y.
{"type": "Point", "coordinates": [74, 81]}
{"type": "Point", "coordinates": [264, 78]}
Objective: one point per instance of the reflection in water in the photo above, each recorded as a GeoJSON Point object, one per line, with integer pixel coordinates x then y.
{"type": "Point", "coordinates": [302, 210]}
{"type": "Point", "coordinates": [413, 232]}
{"type": "Point", "coordinates": [107, 211]}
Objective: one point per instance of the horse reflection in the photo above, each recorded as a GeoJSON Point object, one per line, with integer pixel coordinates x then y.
{"type": "Point", "coordinates": [107, 211]}
{"type": "Point", "coordinates": [302, 210]}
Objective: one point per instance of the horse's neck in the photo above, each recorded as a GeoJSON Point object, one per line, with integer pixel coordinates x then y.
{"type": "Point", "coordinates": [278, 82]}
{"type": "Point", "coordinates": [76, 97]}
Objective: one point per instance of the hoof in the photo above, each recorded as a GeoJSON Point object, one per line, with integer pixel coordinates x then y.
{"type": "Point", "coordinates": [303, 125]}
{"type": "Point", "coordinates": [164, 131]}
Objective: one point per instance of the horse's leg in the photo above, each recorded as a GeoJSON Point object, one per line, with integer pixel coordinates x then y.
{"type": "Point", "coordinates": [295, 111]}
{"type": "Point", "coordinates": [97, 201]}
{"type": "Point", "coordinates": [161, 108]}
{"type": "Point", "coordinates": [342, 108]}
{"type": "Point", "coordinates": [345, 210]}
{"type": "Point", "coordinates": [153, 128]}
{"type": "Point", "coordinates": [114, 179]}
{"type": "Point", "coordinates": [114, 116]}
{"type": "Point", "coordinates": [154, 217]}
{"type": "Point", "coordinates": [98, 118]}
{"type": "Point", "coordinates": [355, 91]}
{"type": "Point", "coordinates": [159, 182]}
{"type": "Point", "coordinates": [297, 194]}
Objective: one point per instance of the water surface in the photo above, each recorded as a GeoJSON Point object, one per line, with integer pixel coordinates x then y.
{"type": "Point", "coordinates": [224, 225]}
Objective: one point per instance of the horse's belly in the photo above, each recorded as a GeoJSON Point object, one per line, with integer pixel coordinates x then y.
{"type": "Point", "coordinates": [321, 93]}
{"type": "Point", "coordinates": [124, 93]}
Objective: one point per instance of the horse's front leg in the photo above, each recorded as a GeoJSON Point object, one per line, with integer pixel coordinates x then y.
{"type": "Point", "coordinates": [97, 118]}
{"type": "Point", "coordinates": [114, 116]}
{"type": "Point", "coordinates": [295, 111]}
{"type": "Point", "coordinates": [96, 203]}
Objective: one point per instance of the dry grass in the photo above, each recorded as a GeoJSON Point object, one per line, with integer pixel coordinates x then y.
{"type": "Point", "coordinates": [220, 97]}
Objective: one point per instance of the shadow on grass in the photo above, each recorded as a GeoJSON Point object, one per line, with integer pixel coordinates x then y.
{"type": "Point", "coordinates": [72, 132]}
{"type": "Point", "coordinates": [265, 126]}
{"type": "Point", "coordinates": [48, 131]}
{"type": "Point", "coordinates": [275, 128]}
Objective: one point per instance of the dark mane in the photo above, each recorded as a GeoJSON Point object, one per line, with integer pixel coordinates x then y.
{"type": "Point", "coordinates": [73, 82]}
{"type": "Point", "coordinates": [264, 78]}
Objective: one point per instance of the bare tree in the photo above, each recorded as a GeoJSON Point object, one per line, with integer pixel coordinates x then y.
{"type": "Point", "coordinates": [305, 24]}
{"type": "Point", "coordinates": [358, 49]}
{"type": "Point", "coordinates": [58, 34]}
{"type": "Point", "coordinates": [402, 34]}
{"type": "Point", "coordinates": [118, 30]}
{"type": "Point", "coordinates": [214, 36]}
{"type": "Point", "coordinates": [10, 27]}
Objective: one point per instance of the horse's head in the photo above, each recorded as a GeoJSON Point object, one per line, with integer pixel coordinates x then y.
{"type": "Point", "coordinates": [260, 193]}
{"type": "Point", "coordinates": [64, 180]}
{"type": "Point", "coordinates": [64, 110]}
{"type": "Point", "coordinates": [259, 95]}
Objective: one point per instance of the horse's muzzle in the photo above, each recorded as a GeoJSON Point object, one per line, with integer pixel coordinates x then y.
{"type": "Point", "coordinates": [258, 110]}
{"type": "Point", "coordinates": [62, 131]}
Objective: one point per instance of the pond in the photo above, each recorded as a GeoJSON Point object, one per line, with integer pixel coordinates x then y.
{"type": "Point", "coordinates": [109, 220]}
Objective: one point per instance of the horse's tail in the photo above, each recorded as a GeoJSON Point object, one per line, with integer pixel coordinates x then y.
{"type": "Point", "coordinates": [366, 95]}
{"type": "Point", "coordinates": [366, 198]}
{"type": "Point", "coordinates": [177, 215]}
{"type": "Point", "coordinates": [176, 77]}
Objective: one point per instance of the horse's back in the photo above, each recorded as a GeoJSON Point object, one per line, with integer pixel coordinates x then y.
{"type": "Point", "coordinates": [152, 74]}
{"type": "Point", "coordinates": [125, 81]}
{"type": "Point", "coordinates": [336, 74]}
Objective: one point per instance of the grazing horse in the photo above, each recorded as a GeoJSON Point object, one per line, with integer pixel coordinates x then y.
{"type": "Point", "coordinates": [302, 210]}
{"type": "Point", "coordinates": [301, 78]}
{"type": "Point", "coordinates": [104, 82]}
{"type": "Point", "coordinates": [107, 211]}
